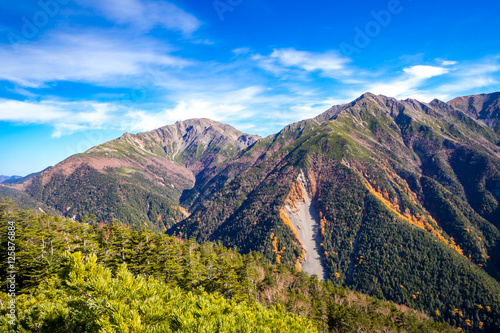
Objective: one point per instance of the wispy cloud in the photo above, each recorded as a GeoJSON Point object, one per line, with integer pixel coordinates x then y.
{"type": "Point", "coordinates": [87, 57]}
{"type": "Point", "coordinates": [326, 62]}
{"type": "Point", "coordinates": [447, 62]}
{"type": "Point", "coordinates": [146, 15]}
{"type": "Point", "coordinates": [65, 117]}
{"type": "Point", "coordinates": [410, 84]}
{"type": "Point", "coordinates": [69, 117]}
{"type": "Point", "coordinates": [471, 76]}
{"type": "Point", "coordinates": [330, 63]}
{"type": "Point", "coordinates": [17, 111]}
{"type": "Point", "coordinates": [242, 51]}
{"type": "Point", "coordinates": [235, 106]}
{"type": "Point", "coordinates": [451, 79]}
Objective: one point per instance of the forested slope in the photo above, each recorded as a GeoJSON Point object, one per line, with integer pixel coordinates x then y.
{"type": "Point", "coordinates": [77, 277]}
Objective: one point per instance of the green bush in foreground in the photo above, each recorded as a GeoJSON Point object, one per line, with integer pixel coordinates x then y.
{"type": "Point", "coordinates": [87, 298]}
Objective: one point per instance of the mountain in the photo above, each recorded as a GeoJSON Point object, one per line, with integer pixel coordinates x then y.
{"type": "Point", "coordinates": [7, 178]}
{"type": "Point", "coordinates": [406, 196]}
{"type": "Point", "coordinates": [137, 178]}
{"type": "Point", "coordinates": [396, 199]}
{"type": "Point", "coordinates": [403, 152]}
{"type": "Point", "coordinates": [484, 108]}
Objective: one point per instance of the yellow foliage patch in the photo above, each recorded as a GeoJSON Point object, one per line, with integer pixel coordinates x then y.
{"type": "Point", "coordinates": [296, 194]}
{"type": "Point", "coordinates": [275, 248]}
{"type": "Point", "coordinates": [424, 222]}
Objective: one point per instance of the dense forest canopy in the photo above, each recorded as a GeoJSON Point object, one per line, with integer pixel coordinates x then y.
{"type": "Point", "coordinates": [89, 277]}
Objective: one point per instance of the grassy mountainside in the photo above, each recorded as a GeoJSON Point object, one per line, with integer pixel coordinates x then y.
{"type": "Point", "coordinates": [77, 277]}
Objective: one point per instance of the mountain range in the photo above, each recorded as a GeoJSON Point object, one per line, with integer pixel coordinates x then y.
{"type": "Point", "coordinates": [7, 178]}
{"type": "Point", "coordinates": [398, 199]}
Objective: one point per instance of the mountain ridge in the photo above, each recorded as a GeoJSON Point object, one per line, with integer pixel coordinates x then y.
{"type": "Point", "coordinates": [483, 107]}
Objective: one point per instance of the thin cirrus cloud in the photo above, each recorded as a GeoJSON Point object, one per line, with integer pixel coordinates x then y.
{"type": "Point", "coordinates": [65, 117]}
{"type": "Point", "coordinates": [330, 63]}
{"type": "Point", "coordinates": [447, 62]}
{"type": "Point", "coordinates": [233, 106]}
{"type": "Point", "coordinates": [409, 84]}
{"type": "Point", "coordinates": [85, 57]}
{"type": "Point", "coordinates": [471, 76]}
{"type": "Point", "coordinates": [145, 15]}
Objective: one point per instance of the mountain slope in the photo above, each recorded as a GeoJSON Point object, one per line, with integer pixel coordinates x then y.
{"type": "Point", "coordinates": [403, 190]}
{"type": "Point", "coordinates": [137, 178]}
{"type": "Point", "coordinates": [367, 133]}
{"type": "Point", "coordinates": [8, 178]}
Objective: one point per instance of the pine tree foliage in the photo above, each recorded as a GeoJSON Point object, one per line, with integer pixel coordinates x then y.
{"type": "Point", "coordinates": [89, 277]}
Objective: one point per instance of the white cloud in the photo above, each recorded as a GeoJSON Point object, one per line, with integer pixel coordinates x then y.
{"type": "Point", "coordinates": [242, 51]}
{"type": "Point", "coordinates": [230, 107]}
{"type": "Point", "coordinates": [18, 111]}
{"type": "Point", "coordinates": [69, 117]}
{"type": "Point", "coordinates": [448, 62]}
{"type": "Point", "coordinates": [146, 15]}
{"type": "Point", "coordinates": [90, 58]}
{"type": "Point", "coordinates": [425, 72]}
{"type": "Point", "coordinates": [65, 117]}
{"type": "Point", "coordinates": [466, 84]}
{"type": "Point", "coordinates": [485, 67]}
{"type": "Point", "coordinates": [330, 63]}
{"type": "Point", "coordinates": [466, 77]}
{"type": "Point", "coordinates": [410, 84]}
{"type": "Point", "coordinates": [471, 77]}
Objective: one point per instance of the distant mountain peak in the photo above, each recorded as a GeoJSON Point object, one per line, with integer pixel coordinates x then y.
{"type": "Point", "coordinates": [6, 178]}
{"type": "Point", "coordinates": [484, 108]}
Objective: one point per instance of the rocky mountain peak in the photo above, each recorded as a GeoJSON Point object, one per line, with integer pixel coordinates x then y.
{"type": "Point", "coordinates": [484, 108]}
{"type": "Point", "coordinates": [203, 131]}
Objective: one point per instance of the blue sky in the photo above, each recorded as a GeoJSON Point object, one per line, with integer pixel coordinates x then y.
{"type": "Point", "coordinates": [77, 73]}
